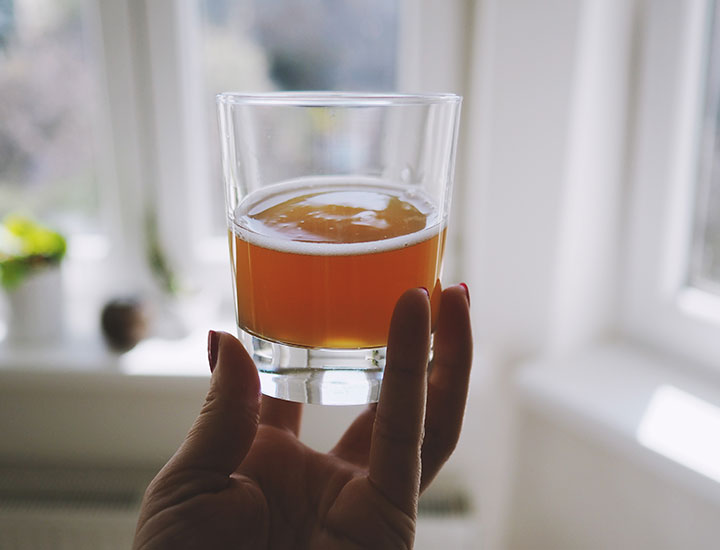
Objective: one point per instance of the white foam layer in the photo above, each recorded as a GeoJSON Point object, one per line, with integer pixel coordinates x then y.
{"type": "Point", "coordinates": [336, 249]}
{"type": "Point", "coordinates": [280, 192]}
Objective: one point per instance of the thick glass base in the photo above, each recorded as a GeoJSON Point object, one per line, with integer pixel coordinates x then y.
{"type": "Point", "coordinates": [316, 376]}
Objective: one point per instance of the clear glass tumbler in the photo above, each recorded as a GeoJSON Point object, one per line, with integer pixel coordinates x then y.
{"type": "Point", "coordinates": [336, 204]}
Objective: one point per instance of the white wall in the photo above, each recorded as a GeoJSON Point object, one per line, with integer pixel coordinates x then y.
{"type": "Point", "coordinates": [572, 493]}
{"type": "Point", "coordinates": [547, 128]}
{"type": "Point", "coordinates": [551, 115]}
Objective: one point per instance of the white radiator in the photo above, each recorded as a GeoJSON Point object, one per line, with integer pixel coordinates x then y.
{"type": "Point", "coordinates": [46, 508]}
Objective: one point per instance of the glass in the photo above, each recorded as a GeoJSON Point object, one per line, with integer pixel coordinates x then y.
{"type": "Point", "coordinates": [47, 114]}
{"type": "Point", "coordinates": [331, 45]}
{"type": "Point", "coordinates": [336, 204]}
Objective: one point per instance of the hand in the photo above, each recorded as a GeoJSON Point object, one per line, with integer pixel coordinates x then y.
{"type": "Point", "coordinates": [242, 479]}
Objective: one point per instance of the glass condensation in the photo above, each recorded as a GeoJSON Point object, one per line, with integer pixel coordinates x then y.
{"type": "Point", "coordinates": [47, 110]}
{"type": "Point", "coordinates": [250, 46]}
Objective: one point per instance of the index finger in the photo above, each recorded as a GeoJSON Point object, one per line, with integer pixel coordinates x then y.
{"type": "Point", "coordinates": [225, 428]}
{"type": "Point", "coordinates": [398, 430]}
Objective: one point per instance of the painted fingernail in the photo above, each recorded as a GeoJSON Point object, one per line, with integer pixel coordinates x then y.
{"type": "Point", "coordinates": [467, 291]}
{"type": "Point", "coordinates": [213, 341]}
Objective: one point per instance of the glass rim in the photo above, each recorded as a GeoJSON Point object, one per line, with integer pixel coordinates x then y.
{"type": "Point", "coordinates": [335, 99]}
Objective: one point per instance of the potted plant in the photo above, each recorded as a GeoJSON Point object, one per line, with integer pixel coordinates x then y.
{"type": "Point", "coordinates": [30, 257]}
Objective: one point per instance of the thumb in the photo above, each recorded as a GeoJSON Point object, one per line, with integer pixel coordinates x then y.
{"type": "Point", "coordinates": [224, 431]}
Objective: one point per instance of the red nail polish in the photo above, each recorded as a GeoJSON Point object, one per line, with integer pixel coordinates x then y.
{"type": "Point", "coordinates": [467, 291]}
{"type": "Point", "coordinates": [213, 341]}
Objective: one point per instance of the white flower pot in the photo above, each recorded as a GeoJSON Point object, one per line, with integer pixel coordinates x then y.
{"type": "Point", "coordinates": [35, 309]}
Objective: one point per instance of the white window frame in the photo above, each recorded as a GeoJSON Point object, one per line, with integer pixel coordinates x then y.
{"type": "Point", "coordinates": [124, 156]}
{"type": "Point", "coordinates": [148, 58]}
{"type": "Point", "coordinates": [657, 308]}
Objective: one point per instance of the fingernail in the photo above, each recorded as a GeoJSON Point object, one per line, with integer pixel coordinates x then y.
{"type": "Point", "coordinates": [467, 292]}
{"type": "Point", "coordinates": [213, 341]}
{"type": "Point", "coordinates": [425, 290]}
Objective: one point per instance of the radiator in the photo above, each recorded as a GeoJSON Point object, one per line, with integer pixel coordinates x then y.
{"type": "Point", "coordinates": [49, 508]}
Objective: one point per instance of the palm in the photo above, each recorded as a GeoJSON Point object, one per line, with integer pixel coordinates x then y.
{"type": "Point", "coordinates": [306, 495]}
{"type": "Point", "coordinates": [267, 490]}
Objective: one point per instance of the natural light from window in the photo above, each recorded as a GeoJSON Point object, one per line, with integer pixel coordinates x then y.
{"type": "Point", "coordinates": [49, 100]}
{"type": "Point", "coordinates": [683, 428]}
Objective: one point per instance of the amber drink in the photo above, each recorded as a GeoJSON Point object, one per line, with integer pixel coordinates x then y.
{"type": "Point", "coordinates": [352, 251]}
{"type": "Point", "coordinates": [320, 258]}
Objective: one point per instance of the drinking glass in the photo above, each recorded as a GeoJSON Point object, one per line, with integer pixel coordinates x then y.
{"type": "Point", "coordinates": [336, 204]}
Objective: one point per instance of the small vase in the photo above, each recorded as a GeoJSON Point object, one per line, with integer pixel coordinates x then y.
{"type": "Point", "coordinates": [35, 309]}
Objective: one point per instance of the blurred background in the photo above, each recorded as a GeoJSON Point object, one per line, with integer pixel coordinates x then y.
{"type": "Point", "coordinates": [586, 222]}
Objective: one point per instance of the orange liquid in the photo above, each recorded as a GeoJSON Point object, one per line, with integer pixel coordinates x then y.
{"type": "Point", "coordinates": [324, 267]}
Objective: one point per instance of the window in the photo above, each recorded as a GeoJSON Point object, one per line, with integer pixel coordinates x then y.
{"type": "Point", "coordinates": [47, 114]}
{"type": "Point", "coordinates": [126, 143]}
{"type": "Point", "coordinates": [248, 46]}
{"type": "Point", "coordinates": [704, 264]}
{"type": "Point", "coordinates": [671, 298]}
{"type": "Point", "coordinates": [51, 114]}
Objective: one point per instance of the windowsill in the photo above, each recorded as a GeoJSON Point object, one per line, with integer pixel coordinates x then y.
{"type": "Point", "coordinates": [175, 349]}
{"type": "Point", "coordinates": [77, 402]}
{"type": "Point", "coordinates": [85, 353]}
{"type": "Point", "coordinates": [655, 410]}
{"type": "Point", "coordinates": [155, 361]}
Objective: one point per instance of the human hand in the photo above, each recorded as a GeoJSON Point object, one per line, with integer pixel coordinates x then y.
{"type": "Point", "coordinates": [242, 479]}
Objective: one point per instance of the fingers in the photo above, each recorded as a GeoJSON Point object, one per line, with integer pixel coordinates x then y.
{"type": "Point", "coordinates": [354, 445]}
{"type": "Point", "coordinates": [398, 428]}
{"type": "Point", "coordinates": [448, 384]}
{"type": "Point", "coordinates": [223, 432]}
{"type": "Point", "coordinates": [282, 414]}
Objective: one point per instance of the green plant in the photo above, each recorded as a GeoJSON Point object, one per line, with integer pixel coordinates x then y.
{"type": "Point", "coordinates": [27, 247]}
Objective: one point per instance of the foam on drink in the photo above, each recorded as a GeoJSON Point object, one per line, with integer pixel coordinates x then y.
{"type": "Point", "coordinates": [300, 216]}
{"type": "Point", "coordinates": [321, 262]}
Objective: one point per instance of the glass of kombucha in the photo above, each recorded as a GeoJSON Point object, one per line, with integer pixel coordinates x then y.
{"type": "Point", "coordinates": [336, 204]}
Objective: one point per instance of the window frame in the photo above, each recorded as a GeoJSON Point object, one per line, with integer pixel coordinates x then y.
{"type": "Point", "coordinates": [123, 163]}
{"type": "Point", "coordinates": [656, 308]}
